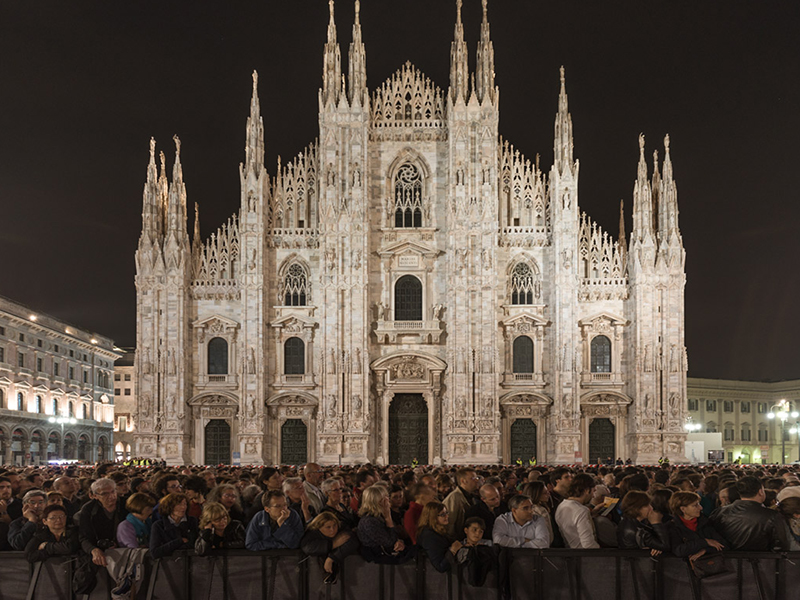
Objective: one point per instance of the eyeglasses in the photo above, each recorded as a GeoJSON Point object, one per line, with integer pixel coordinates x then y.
{"type": "Point", "coordinates": [110, 493]}
{"type": "Point", "coordinates": [229, 495]}
{"type": "Point", "coordinates": [444, 514]}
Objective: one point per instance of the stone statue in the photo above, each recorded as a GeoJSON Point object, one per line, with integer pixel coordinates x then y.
{"type": "Point", "coordinates": [251, 404]}
{"type": "Point", "coordinates": [357, 405]}
{"type": "Point", "coordinates": [332, 406]}
{"type": "Point", "coordinates": [673, 359]}
{"type": "Point", "coordinates": [381, 311]}
{"type": "Point", "coordinates": [332, 362]}
{"type": "Point", "coordinates": [357, 362]}
{"type": "Point", "coordinates": [436, 310]}
{"type": "Point", "coordinates": [648, 359]}
{"type": "Point", "coordinates": [251, 361]}
{"type": "Point", "coordinates": [172, 368]}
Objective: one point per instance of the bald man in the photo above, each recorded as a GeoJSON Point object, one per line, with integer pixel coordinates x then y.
{"type": "Point", "coordinates": [489, 506]}
{"type": "Point", "coordinates": [313, 476]}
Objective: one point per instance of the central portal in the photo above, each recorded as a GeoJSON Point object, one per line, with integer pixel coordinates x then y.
{"type": "Point", "coordinates": [601, 440]}
{"type": "Point", "coordinates": [218, 442]}
{"type": "Point", "coordinates": [408, 430]}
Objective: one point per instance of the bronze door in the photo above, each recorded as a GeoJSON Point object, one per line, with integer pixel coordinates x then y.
{"type": "Point", "coordinates": [408, 430]}
{"type": "Point", "coordinates": [294, 442]}
{"type": "Point", "coordinates": [601, 440]}
{"type": "Point", "coordinates": [218, 442]}
{"type": "Point", "coordinates": [523, 440]}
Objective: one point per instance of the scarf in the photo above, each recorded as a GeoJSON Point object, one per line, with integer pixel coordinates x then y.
{"type": "Point", "coordinates": [690, 524]}
{"type": "Point", "coordinates": [141, 528]}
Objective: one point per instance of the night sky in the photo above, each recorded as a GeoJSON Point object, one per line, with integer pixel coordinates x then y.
{"type": "Point", "coordinates": [85, 84]}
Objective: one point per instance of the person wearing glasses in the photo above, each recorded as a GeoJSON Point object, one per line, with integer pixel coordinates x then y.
{"type": "Point", "coordinates": [433, 537]}
{"type": "Point", "coordinates": [56, 538]}
{"type": "Point", "coordinates": [21, 530]}
{"type": "Point", "coordinates": [99, 519]}
{"type": "Point", "coordinates": [313, 476]}
{"type": "Point", "coordinates": [217, 530]}
{"type": "Point", "coordinates": [228, 495]}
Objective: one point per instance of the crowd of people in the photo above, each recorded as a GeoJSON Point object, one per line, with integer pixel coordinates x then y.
{"type": "Point", "coordinates": [455, 515]}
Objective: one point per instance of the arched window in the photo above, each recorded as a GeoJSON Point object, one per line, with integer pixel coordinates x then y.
{"type": "Point", "coordinates": [294, 356]}
{"type": "Point", "coordinates": [217, 356]}
{"type": "Point", "coordinates": [522, 284]}
{"type": "Point", "coordinates": [2, 399]}
{"type": "Point", "coordinates": [523, 354]}
{"type": "Point", "coordinates": [601, 354]}
{"type": "Point", "coordinates": [84, 411]}
{"type": "Point", "coordinates": [295, 286]}
{"type": "Point", "coordinates": [71, 409]}
{"type": "Point", "coordinates": [408, 197]}
{"type": "Point", "coordinates": [408, 299]}
{"type": "Point", "coordinates": [20, 400]}
{"type": "Point", "coordinates": [39, 405]}
{"type": "Point", "coordinates": [55, 406]}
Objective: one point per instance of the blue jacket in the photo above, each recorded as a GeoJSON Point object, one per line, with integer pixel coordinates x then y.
{"type": "Point", "coordinates": [261, 537]}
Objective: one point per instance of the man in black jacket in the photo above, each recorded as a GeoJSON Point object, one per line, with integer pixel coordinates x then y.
{"type": "Point", "coordinates": [98, 520]}
{"type": "Point", "coordinates": [747, 524]}
{"type": "Point", "coordinates": [489, 507]}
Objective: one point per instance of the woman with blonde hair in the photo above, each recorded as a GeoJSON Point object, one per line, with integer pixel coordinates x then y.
{"type": "Point", "coordinates": [379, 541]}
{"type": "Point", "coordinates": [324, 540]}
{"type": "Point", "coordinates": [432, 535]}
{"type": "Point", "coordinates": [217, 530]}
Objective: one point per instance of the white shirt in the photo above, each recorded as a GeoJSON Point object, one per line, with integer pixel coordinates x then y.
{"type": "Point", "coordinates": [574, 520]}
{"type": "Point", "coordinates": [507, 532]}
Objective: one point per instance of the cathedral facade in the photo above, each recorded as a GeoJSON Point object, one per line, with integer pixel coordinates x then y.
{"type": "Point", "coordinates": [410, 287]}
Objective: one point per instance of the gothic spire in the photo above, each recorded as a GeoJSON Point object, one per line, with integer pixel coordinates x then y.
{"type": "Point", "coordinates": [459, 65]}
{"type": "Point", "coordinates": [332, 64]}
{"type": "Point", "coordinates": [669, 197]}
{"type": "Point", "coordinates": [562, 144]}
{"type": "Point", "coordinates": [150, 205]}
{"type": "Point", "coordinates": [254, 148]}
{"type": "Point", "coordinates": [177, 217]}
{"type": "Point", "coordinates": [623, 243]}
{"type": "Point", "coordinates": [163, 197]}
{"type": "Point", "coordinates": [357, 62]}
{"type": "Point", "coordinates": [485, 62]}
{"type": "Point", "coordinates": [196, 238]}
{"type": "Point", "coordinates": [642, 201]}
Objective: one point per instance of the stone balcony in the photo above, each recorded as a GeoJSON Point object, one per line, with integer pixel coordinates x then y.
{"type": "Point", "coordinates": [602, 379]}
{"type": "Point", "coordinates": [413, 332]}
{"type": "Point", "coordinates": [295, 381]}
{"type": "Point", "coordinates": [511, 380]}
{"type": "Point", "coordinates": [218, 381]}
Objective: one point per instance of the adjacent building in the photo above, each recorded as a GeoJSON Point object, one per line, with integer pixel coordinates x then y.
{"type": "Point", "coordinates": [740, 411]}
{"type": "Point", "coordinates": [410, 287]}
{"type": "Point", "coordinates": [56, 395]}
{"type": "Point", "coordinates": [124, 405]}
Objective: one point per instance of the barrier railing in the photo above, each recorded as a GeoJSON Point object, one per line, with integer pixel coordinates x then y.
{"type": "Point", "coordinates": [521, 574]}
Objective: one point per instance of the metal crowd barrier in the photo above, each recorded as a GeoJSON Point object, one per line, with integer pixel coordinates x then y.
{"type": "Point", "coordinates": [521, 575]}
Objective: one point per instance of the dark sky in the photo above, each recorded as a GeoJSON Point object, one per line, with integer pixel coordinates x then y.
{"type": "Point", "coordinates": [84, 84]}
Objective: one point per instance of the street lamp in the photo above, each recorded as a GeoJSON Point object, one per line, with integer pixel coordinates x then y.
{"type": "Point", "coordinates": [783, 412]}
{"type": "Point", "coordinates": [62, 421]}
{"type": "Point", "coordinates": [691, 426]}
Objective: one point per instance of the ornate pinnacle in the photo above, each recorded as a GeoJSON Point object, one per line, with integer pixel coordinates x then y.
{"type": "Point", "coordinates": [177, 145]}
{"type": "Point", "coordinates": [458, 11]}
{"type": "Point", "coordinates": [163, 162]}
{"type": "Point", "coordinates": [666, 146]}
{"type": "Point", "coordinates": [358, 9]}
{"type": "Point", "coordinates": [255, 79]}
{"type": "Point", "coordinates": [641, 145]}
{"type": "Point", "coordinates": [485, 9]}
{"type": "Point", "coordinates": [563, 77]}
{"type": "Point", "coordinates": [152, 149]}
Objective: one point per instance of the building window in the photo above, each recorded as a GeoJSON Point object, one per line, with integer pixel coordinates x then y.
{"type": "Point", "coordinates": [294, 356]}
{"type": "Point", "coordinates": [72, 373]}
{"type": "Point", "coordinates": [711, 427]}
{"type": "Point", "coordinates": [22, 337]}
{"type": "Point", "coordinates": [84, 411]}
{"type": "Point", "coordinates": [39, 343]}
{"type": "Point", "coordinates": [727, 406]}
{"type": "Point", "coordinates": [20, 360]}
{"type": "Point", "coordinates": [295, 286]}
{"type": "Point", "coordinates": [39, 364]}
{"type": "Point", "coordinates": [601, 354]}
{"type": "Point", "coordinates": [127, 391]}
{"type": "Point", "coordinates": [55, 406]}
{"type": "Point", "coordinates": [408, 299]}
{"type": "Point", "coordinates": [2, 399]}
{"type": "Point", "coordinates": [763, 435]}
{"type": "Point", "coordinates": [217, 356]}
{"type": "Point", "coordinates": [86, 377]}
{"type": "Point", "coordinates": [56, 348]}
{"type": "Point", "coordinates": [117, 391]}
{"type": "Point", "coordinates": [693, 404]}
{"type": "Point", "coordinates": [744, 407]}
{"type": "Point", "coordinates": [711, 406]}
{"type": "Point", "coordinates": [122, 424]}
{"type": "Point", "coordinates": [127, 376]}
{"type": "Point", "coordinates": [71, 409]}
{"type": "Point", "coordinates": [20, 400]}
{"type": "Point", "coordinates": [2, 355]}
{"type": "Point", "coordinates": [72, 354]}
{"type": "Point", "coordinates": [745, 434]}
{"type": "Point", "coordinates": [762, 408]}
{"type": "Point", "coordinates": [117, 377]}
{"type": "Point", "coordinates": [408, 197]}
{"type": "Point", "coordinates": [523, 354]}
{"type": "Point", "coordinates": [55, 369]}
{"type": "Point", "coordinates": [2, 330]}
{"type": "Point", "coordinates": [728, 432]}
{"type": "Point", "coordinates": [522, 284]}
{"type": "Point", "coordinates": [39, 408]}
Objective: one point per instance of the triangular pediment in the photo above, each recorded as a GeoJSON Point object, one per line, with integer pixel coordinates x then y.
{"type": "Point", "coordinates": [408, 99]}
{"type": "Point", "coordinates": [215, 321]}
{"type": "Point", "coordinates": [294, 322]}
{"type": "Point", "coordinates": [408, 247]}
{"type": "Point", "coordinates": [526, 318]}
{"type": "Point", "coordinates": [608, 317]}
